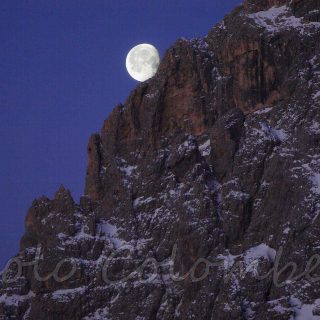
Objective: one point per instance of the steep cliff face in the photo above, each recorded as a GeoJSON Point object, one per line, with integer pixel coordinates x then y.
{"type": "Point", "coordinates": [203, 181]}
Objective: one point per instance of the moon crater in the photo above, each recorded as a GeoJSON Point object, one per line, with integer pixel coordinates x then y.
{"type": "Point", "coordinates": [142, 62]}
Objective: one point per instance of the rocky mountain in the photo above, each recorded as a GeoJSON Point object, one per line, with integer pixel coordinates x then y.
{"type": "Point", "coordinates": [202, 191]}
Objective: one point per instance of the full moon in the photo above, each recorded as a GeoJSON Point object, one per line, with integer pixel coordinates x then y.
{"type": "Point", "coordinates": [142, 62]}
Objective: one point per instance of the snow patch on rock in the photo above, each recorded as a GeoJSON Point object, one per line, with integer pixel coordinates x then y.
{"type": "Point", "coordinates": [15, 299]}
{"type": "Point", "coordinates": [205, 148]}
{"type": "Point", "coordinates": [277, 19]}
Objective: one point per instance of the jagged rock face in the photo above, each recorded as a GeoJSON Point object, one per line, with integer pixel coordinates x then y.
{"type": "Point", "coordinates": [214, 162]}
{"type": "Point", "coordinates": [302, 6]}
{"type": "Point", "coordinates": [255, 6]}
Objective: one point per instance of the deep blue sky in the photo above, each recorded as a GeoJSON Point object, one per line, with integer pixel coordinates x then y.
{"type": "Point", "coordinates": [62, 70]}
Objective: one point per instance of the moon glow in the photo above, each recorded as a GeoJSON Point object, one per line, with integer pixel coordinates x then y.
{"type": "Point", "coordinates": [142, 62]}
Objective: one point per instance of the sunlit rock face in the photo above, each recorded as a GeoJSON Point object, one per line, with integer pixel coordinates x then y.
{"type": "Point", "coordinates": [215, 160]}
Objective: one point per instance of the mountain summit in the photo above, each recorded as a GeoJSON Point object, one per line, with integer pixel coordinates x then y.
{"type": "Point", "coordinates": [202, 190]}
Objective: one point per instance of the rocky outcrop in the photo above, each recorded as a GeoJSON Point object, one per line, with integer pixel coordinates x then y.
{"type": "Point", "coordinates": [262, 5]}
{"type": "Point", "coordinates": [199, 188]}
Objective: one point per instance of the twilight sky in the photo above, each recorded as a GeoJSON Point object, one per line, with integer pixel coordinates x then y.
{"type": "Point", "coordinates": [62, 70]}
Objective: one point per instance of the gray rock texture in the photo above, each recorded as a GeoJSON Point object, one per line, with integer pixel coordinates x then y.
{"type": "Point", "coordinates": [199, 189]}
